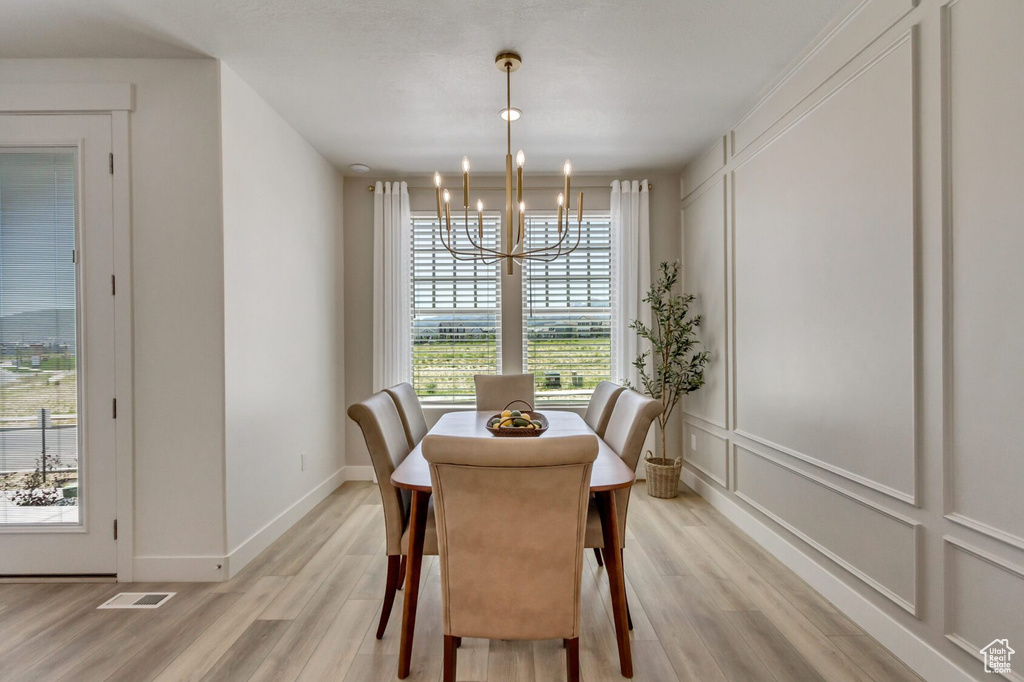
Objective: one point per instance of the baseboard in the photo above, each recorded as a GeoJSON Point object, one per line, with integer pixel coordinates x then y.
{"type": "Point", "coordinates": [179, 569]}
{"type": "Point", "coordinates": [220, 568]}
{"type": "Point", "coordinates": [251, 547]}
{"type": "Point", "coordinates": [923, 658]}
{"type": "Point", "coordinates": [359, 473]}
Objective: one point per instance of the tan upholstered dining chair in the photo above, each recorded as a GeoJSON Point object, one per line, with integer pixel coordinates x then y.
{"type": "Point", "coordinates": [495, 391]}
{"type": "Point", "coordinates": [628, 425]}
{"type": "Point", "coordinates": [411, 412]}
{"type": "Point", "coordinates": [511, 518]}
{"type": "Point", "coordinates": [599, 409]}
{"type": "Point", "coordinates": [386, 439]}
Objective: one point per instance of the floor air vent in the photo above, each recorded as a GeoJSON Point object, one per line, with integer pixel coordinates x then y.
{"type": "Point", "coordinates": [137, 600]}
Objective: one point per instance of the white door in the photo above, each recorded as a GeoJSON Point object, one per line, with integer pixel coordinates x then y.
{"type": "Point", "coordinates": [57, 457]}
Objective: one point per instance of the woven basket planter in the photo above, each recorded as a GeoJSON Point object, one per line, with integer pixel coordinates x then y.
{"type": "Point", "coordinates": [663, 476]}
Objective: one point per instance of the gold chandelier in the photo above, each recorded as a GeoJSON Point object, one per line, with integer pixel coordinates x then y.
{"type": "Point", "coordinates": [515, 211]}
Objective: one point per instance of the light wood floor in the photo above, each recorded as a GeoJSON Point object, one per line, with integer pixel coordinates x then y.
{"type": "Point", "coordinates": [707, 603]}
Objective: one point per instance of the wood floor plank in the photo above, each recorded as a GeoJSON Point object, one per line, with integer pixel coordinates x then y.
{"type": "Point", "coordinates": [301, 639]}
{"type": "Point", "coordinates": [819, 650]}
{"type": "Point", "coordinates": [97, 629]}
{"type": "Point", "coordinates": [688, 654]}
{"type": "Point", "coordinates": [875, 660]}
{"type": "Point", "coordinates": [248, 651]}
{"type": "Point", "coordinates": [156, 625]}
{"type": "Point", "coordinates": [816, 608]}
{"type": "Point", "coordinates": [196, 660]}
{"type": "Point", "coordinates": [338, 647]}
{"type": "Point", "coordinates": [651, 664]}
{"type": "Point", "coordinates": [472, 662]}
{"type": "Point", "coordinates": [310, 577]}
{"type": "Point", "coordinates": [50, 616]}
{"type": "Point", "coordinates": [715, 579]}
{"type": "Point", "coordinates": [511, 661]}
{"type": "Point", "coordinates": [151, 659]}
{"type": "Point", "coordinates": [75, 619]}
{"type": "Point", "coordinates": [724, 642]}
{"type": "Point", "coordinates": [369, 538]}
{"type": "Point", "coordinates": [373, 668]}
{"type": "Point", "coordinates": [782, 660]}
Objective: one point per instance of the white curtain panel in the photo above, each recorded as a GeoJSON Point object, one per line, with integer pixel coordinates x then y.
{"type": "Point", "coordinates": [392, 236]}
{"type": "Point", "coordinates": [631, 236]}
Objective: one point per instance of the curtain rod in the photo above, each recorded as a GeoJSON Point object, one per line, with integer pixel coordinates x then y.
{"type": "Point", "coordinates": [608, 187]}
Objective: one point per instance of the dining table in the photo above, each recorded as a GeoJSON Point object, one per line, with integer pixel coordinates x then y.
{"type": "Point", "coordinates": [608, 474]}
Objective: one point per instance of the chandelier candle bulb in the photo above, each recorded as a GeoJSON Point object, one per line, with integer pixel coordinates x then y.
{"type": "Point", "coordinates": [447, 210]}
{"type": "Point", "coordinates": [437, 186]}
{"type": "Point", "coordinates": [567, 168]}
{"type": "Point", "coordinates": [520, 162]}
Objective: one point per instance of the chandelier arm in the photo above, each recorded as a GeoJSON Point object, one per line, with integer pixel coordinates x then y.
{"type": "Point", "coordinates": [558, 246]}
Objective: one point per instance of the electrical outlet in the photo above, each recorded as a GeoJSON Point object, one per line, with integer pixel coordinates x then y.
{"type": "Point", "coordinates": [302, 460]}
{"type": "Point", "coordinates": [693, 441]}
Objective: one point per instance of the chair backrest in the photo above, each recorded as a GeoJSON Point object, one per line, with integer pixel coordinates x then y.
{"type": "Point", "coordinates": [410, 411]}
{"type": "Point", "coordinates": [511, 517]}
{"type": "Point", "coordinates": [599, 409]}
{"type": "Point", "coordinates": [627, 429]}
{"type": "Point", "coordinates": [495, 391]}
{"type": "Point", "coordinates": [385, 438]}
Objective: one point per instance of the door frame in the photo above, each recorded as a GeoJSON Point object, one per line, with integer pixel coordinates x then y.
{"type": "Point", "coordinates": [116, 99]}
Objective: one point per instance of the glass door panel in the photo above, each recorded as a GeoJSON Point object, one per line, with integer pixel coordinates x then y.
{"type": "Point", "coordinates": [39, 393]}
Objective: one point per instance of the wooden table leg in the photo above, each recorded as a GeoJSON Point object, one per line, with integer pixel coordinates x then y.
{"type": "Point", "coordinates": [616, 579]}
{"type": "Point", "coordinates": [417, 528]}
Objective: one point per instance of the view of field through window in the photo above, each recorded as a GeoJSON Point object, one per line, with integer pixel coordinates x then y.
{"type": "Point", "coordinates": [456, 310]}
{"type": "Point", "coordinates": [567, 309]}
{"type": "Point", "coordinates": [38, 360]}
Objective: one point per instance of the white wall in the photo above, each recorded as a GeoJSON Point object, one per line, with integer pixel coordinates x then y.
{"type": "Point", "coordinates": [282, 215]}
{"type": "Point", "coordinates": [855, 245]}
{"type": "Point", "coordinates": [665, 235]}
{"type": "Point", "coordinates": [177, 264]}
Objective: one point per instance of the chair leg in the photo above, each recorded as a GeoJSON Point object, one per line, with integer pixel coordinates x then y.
{"type": "Point", "coordinates": [597, 553]}
{"type": "Point", "coordinates": [394, 563]}
{"type": "Point", "coordinates": [401, 572]}
{"type": "Point", "coordinates": [629, 616]}
{"type": "Point", "coordinates": [450, 654]}
{"type": "Point", "coordinates": [572, 659]}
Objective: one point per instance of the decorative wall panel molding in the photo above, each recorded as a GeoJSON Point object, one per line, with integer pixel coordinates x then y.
{"type": "Point", "coordinates": [824, 262]}
{"type": "Point", "coordinates": [983, 599]}
{"type": "Point", "coordinates": [705, 277]}
{"type": "Point", "coordinates": [844, 527]}
{"type": "Point", "coordinates": [984, 280]}
{"type": "Point", "coordinates": [704, 168]}
{"type": "Point", "coordinates": [837, 49]}
{"type": "Point", "coordinates": [706, 452]}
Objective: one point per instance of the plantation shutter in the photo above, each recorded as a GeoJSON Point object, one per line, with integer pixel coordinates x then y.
{"type": "Point", "coordinates": [567, 310]}
{"type": "Point", "coordinates": [456, 311]}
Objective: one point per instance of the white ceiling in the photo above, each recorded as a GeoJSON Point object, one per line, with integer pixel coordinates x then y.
{"type": "Point", "coordinates": [410, 85]}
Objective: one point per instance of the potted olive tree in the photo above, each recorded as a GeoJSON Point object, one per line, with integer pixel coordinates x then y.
{"type": "Point", "coordinates": [676, 367]}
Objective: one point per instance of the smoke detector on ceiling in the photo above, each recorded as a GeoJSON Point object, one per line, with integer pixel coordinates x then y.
{"type": "Point", "coordinates": [359, 168]}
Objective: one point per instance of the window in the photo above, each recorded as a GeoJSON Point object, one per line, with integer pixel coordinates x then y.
{"type": "Point", "coordinates": [567, 311]}
{"type": "Point", "coordinates": [456, 312]}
